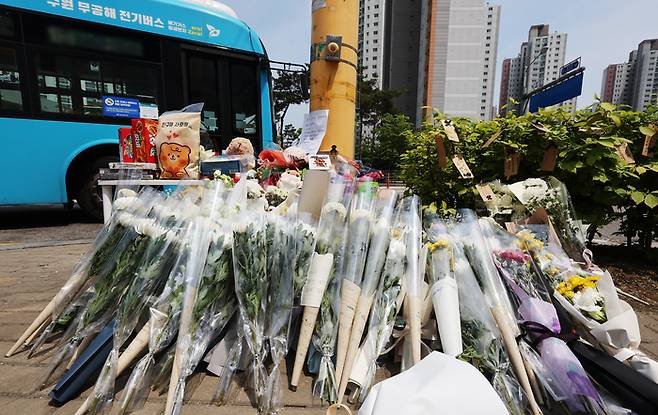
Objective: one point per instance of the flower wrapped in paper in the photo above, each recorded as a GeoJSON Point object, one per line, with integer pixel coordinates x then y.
{"type": "Point", "coordinates": [445, 293]}
{"type": "Point", "coordinates": [601, 317]}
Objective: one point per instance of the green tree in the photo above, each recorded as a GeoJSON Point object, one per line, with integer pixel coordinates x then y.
{"type": "Point", "coordinates": [289, 135]}
{"type": "Point", "coordinates": [589, 161]}
{"type": "Point", "coordinates": [389, 142]}
{"type": "Point", "coordinates": [288, 88]}
{"type": "Point", "coordinates": [373, 104]}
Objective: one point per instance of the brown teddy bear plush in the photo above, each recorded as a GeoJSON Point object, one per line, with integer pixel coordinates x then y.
{"type": "Point", "coordinates": [174, 158]}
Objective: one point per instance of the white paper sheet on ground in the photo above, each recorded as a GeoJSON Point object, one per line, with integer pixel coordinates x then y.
{"type": "Point", "coordinates": [313, 131]}
{"type": "Point", "coordinates": [439, 384]}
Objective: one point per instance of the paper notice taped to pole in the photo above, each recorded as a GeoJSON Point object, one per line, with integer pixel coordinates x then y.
{"type": "Point", "coordinates": [313, 131]}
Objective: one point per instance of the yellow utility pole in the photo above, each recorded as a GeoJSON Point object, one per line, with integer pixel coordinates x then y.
{"type": "Point", "coordinates": [334, 38]}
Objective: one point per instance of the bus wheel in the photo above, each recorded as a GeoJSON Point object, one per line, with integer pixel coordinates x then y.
{"type": "Point", "coordinates": [89, 195]}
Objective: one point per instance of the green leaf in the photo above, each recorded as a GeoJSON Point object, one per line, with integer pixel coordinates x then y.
{"type": "Point", "coordinates": [616, 119]}
{"type": "Point", "coordinates": [640, 170]}
{"type": "Point", "coordinates": [607, 106]}
{"type": "Point", "coordinates": [651, 200]}
{"type": "Point", "coordinates": [601, 177]}
{"type": "Point", "coordinates": [638, 197]}
{"type": "Point", "coordinates": [647, 131]}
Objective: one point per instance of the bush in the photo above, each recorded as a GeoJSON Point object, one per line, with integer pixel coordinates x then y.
{"type": "Point", "coordinates": [602, 185]}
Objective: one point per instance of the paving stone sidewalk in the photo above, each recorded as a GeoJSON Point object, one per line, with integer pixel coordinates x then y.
{"type": "Point", "coordinates": [30, 277]}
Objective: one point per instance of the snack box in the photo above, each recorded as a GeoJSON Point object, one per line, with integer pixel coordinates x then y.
{"type": "Point", "coordinates": [126, 145]}
{"type": "Point", "coordinates": [144, 131]}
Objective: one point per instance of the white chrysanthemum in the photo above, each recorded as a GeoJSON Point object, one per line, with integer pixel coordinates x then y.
{"type": "Point", "coordinates": [339, 208]}
{"type": "Point", "coordinates": [254, 190]}
{"type": "Point", "coordinates": [240, 226]}
{"type": "Point", "coordinates": [126, 193]}
{"type": "Point", "coordinates": [125, 203]}
{"type": "Point", "coordinates": [289, 182]}
{"type": "Point", "coordinates": [125, 219]}
{"type": "Point", "coordinates": [587, 300]}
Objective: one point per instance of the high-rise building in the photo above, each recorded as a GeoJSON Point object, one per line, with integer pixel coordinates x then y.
{"type": "Point", "coordinates": [617, 83]}
{"type": "Point", "coordinates": [372, 15]}
{"type": "Point", "coordinates": [537, 64]}
{"type": "Point", "coordinates": [436, 53]}
{"type": "Point", "coordinates": [403, 46]}
{"type": "Point", "coordinates": [460, 58]}
{"type": "Point", "coordinates": [633, 83]}
{"type": "Point", "coordinates": [645, 86]}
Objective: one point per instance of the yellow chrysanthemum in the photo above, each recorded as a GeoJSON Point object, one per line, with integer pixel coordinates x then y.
{"type": "Point", "coordinates": [436, 245]}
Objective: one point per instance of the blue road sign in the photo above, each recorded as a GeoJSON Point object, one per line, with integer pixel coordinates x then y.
{"type": "Point", "coordinates": [571, 66]}
{"type": "Point", "coordinates": [561, 92]}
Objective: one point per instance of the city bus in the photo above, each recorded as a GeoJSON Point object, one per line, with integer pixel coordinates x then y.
{"type": "Point", "coordinates": [60, 60]}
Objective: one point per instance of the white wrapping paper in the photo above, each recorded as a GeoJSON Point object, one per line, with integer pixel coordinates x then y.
{"type": "Point", "coordinates": [438, 384]}
{"type": "Point", "coordinates": [445, 296]}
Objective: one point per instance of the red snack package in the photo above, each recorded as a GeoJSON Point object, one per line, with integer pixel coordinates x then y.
{"type": "Point", "coordinates": [144, 132]}
{"type": "Point", "coordinates": [126, 145]}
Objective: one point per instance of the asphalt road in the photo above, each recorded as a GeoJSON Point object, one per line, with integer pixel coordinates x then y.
{"type": "Point", "coordinates": [43, 226]}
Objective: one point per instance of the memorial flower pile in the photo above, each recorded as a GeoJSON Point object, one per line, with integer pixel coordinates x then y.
{"type": "Point", "coordinates": [374, 273]}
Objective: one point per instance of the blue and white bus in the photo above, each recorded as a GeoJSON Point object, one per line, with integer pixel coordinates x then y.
{"type": "Point", "coordinates": [61, 59]}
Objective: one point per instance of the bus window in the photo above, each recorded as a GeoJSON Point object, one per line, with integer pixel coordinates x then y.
{"type": "Point", "coordinates": [55, 87]}
{"type": "Point", "coordinates": [11, 98]}
{"type": "Point", "coordinates": [8, 25]}
{"type": "Point", "coordinates": [204, 80]}
{"type": "Point", "coordinates": [131, 80]}
{"type": "Point", "coordinates": [244, 99]}
{"type": "Point", "coordinates": [77, 85]}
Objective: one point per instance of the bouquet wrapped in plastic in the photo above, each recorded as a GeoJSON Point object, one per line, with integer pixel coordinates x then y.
{"type": "Point", "coordinates": [160, 331]}
{"type": "Point", "coordinates": [281, 246]}
{"type": "Point", "coordinates": [476, 248]}
{"type": "Point", "coordinates": [539, 318]}
{"type": "Point", "coordinates": [101, 298]}
{"type": "Point", "coordinates": [360, 221]}
{"type": "Point", "coordinates": [320, 318]}
{"type": "Point", "coordinates": [591, 300]}
{"type": "Point", "coordinates": [482, 342]}
{"type": "Point", "coordinates": [384, 311]}
{"type": "Point", "coordinates": [384, 209]}
{"type": "Point", "coordinates": [209, 301]}
{"type": "Point", "coordinates": [149, 280]}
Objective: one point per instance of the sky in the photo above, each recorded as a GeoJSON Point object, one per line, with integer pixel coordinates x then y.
{"type": "Point", "coordinates": [600, 31]}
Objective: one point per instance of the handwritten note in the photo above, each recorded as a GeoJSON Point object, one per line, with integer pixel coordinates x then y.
{"type": "Point", "coordinates": [313, 131]}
